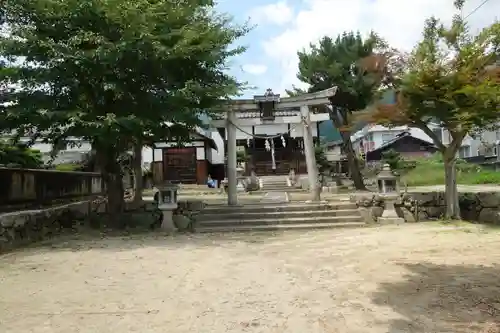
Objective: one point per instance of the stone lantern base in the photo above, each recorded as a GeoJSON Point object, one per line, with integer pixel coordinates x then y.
{"type": "Point", "coordinates": [390, 216]}
{"type": "Point", "coordinates": [391, 220]}
{"type": "Point", "coordinates": [167, 223]}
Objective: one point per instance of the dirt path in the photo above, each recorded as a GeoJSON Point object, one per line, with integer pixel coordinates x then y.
{"type": "Point", "coordinates": [420, 278]}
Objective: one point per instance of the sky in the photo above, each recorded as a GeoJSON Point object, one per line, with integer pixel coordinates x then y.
{"type": "Point", "coordinates": [283, 27]}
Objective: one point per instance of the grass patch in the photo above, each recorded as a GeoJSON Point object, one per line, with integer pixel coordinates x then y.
{"type": "Point", "coordinates": [431, 172]}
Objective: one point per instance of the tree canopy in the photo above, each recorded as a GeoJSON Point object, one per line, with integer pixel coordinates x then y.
{"type": "Point", "coordinates": [336, 62]}
{"type": "Point", "coordinates": [112, 69]}
{"type": "Point", "coordinates": [340, 62]}
{"type": "Point", "coordinates": [113, 72]}
{"type": "Point", "coordinates": [451, 80]}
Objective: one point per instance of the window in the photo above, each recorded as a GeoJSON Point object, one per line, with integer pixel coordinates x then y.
{"type": "Point", "coordinates": [387, 137]}
{"type": "Point", "coordinates": [464, 152]}
{"type": "Point", "coordinates": [497, 133]}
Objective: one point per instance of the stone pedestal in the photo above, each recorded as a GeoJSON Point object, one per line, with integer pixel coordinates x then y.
{"type": "Point", "coordinates": [168, 222]}
{"type": "Point", "coordinates": [390, 216]}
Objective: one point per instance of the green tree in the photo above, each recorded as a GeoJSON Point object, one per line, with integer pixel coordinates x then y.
{"type": "Point", "coordinates": [339, 62]}
{"type": "Point", "coordinates": [20, 156]}
{"type": "Point", "coordinates": [114, 72]}
{"type": "Point", "coordinates": [452, 80]}
{"type": "Point", "coordinates": [393, 158]}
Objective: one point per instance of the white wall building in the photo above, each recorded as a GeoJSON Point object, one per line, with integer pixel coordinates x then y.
{"type": "Point", "coordinates": [77, 148]}
{"type": "Point", "coordinates": [371, 137]}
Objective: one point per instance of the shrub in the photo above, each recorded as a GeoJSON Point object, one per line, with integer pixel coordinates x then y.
{"type": "Point", "coordinates": [393, 158]}
{"type": "Point", "coordinates": [68, 167]}
{"type": "Point", "coordinates": [20, 155]}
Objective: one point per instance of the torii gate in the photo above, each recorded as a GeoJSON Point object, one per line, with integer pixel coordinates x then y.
{"type": "Point", "coordinates": [303, 102]}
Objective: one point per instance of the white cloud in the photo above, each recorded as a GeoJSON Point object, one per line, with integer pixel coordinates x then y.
{"type": "Point", "coordinates": [277, 13]}
{"type": "Point", "coordinates": [400, 22]}
{"type": "Point", "coordinates": [254, 69]}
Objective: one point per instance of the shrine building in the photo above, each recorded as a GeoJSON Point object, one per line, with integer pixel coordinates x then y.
{"type": "Point", "coordinates": [269, 132]}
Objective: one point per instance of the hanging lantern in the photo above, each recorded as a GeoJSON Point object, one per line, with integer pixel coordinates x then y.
{"type": "Point", "coordinates": [283, 141]}
{"type": "Point", "coordinates": [267, 145]}
{"type": "Point", "coordinates": [248, 142]}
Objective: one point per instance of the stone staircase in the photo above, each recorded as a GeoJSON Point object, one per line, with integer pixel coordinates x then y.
{"type": "Point", "coordinates": [275, 184]}
{"type": "Point", "coordinates": [278, 216]}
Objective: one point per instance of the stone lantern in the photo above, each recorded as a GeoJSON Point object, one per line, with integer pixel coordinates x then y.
{"type": "Point", "coordinates": [388, 187]}
{"type": "Point", "coordinates": [167, 203]}
{"type": "Point", "coordinates": [387, 181]}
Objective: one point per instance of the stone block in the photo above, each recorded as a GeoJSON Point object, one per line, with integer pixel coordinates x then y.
{"type": "Point", "coordinates": [376, 212]}
{"type": "Point", "coordinates": [181, 221]}
{"type": "Point", "coordinates": [489, 199]}
{"type": "Point", "coordinates": [252, 184]}
{"type": "Point", "coordinates": [490, 215]}
{"type": "Point", "coordinates": [406, 214]}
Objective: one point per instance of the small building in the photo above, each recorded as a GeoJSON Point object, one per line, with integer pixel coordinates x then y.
{"type": "Point", "coordinates": [190, 163]}
{"type": "Point", "coordinates": [408, 146]}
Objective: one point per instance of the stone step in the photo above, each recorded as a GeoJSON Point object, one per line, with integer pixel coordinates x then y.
{"type": "Point", "coordinates": [264, 186]}
{"type": "Point", "coordinates": [283, 220]}
{"type": "Point", "coordinates": [275, 186]}
{"type": "Point", "coordinates": [277, 207]}
{"type": "Point", "coordinates": [280, 227]}
{"type": "Point", "coordinates": [259, 215]}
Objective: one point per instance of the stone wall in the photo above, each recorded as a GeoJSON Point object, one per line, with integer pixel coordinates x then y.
{"type": "Point", "coordinates": [28, 226]}
{"type": "Point", "coordinates": [482, 207]}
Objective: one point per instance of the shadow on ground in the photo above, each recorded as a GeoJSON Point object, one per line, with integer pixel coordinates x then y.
{"type": "Point", "coordinates": [442, 298]}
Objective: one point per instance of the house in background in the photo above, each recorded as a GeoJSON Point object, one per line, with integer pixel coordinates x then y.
{"type": "Point", "coordinates": [407, 145]}
{"type": "Point", "coordinates": [484, 144]}
{"type": "Point", "coordinates": [372, 137]}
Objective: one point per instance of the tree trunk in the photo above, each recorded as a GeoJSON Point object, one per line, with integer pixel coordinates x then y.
{"type": "Point", "coordinates": [451, 190]}
{"type": "Point", "coordinates": [352, 161]}
{"type": "Point", "coordinates": [107, 160]}
{"type": "Point", "coordinates": [116, 203]}
{"type": "Point", "coordinates": [137, 167]}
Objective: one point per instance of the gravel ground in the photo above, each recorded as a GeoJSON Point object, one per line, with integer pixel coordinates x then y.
{"type": "Point", "coordinates": [416, 278]}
